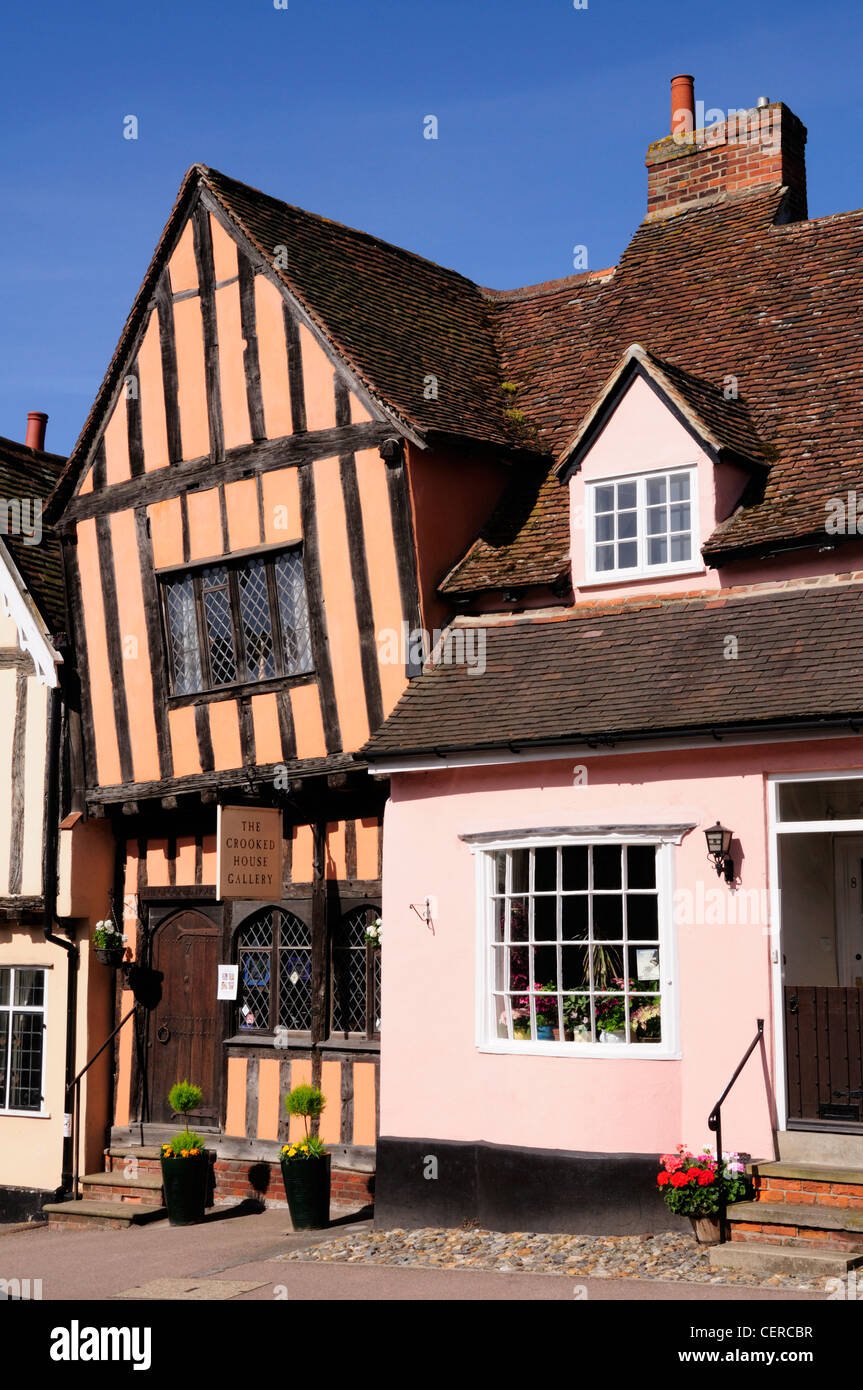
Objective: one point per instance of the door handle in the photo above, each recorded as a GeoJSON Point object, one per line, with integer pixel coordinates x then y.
{"type": "Point", "coordinates": [167, 1032]}
{"type": "Point", "coordinates": [793, 1005]}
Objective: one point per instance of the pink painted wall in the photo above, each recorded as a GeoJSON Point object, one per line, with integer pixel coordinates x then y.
{"type": "Point", "coordinates": [723, 978]}
{"type": "Point", "coordinates": [643, 435]}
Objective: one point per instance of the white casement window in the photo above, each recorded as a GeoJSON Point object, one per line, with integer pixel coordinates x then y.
{"type": "Point", "coordinates": [22, 1040]}
{"type": "Point", "coordinates": [642, 525]}
{"type": "Point", "coordinates": [577, 946]}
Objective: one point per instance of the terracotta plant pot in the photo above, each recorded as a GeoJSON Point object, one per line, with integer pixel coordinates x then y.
{"type": "Point", "coordinates": [307, 1188]}
{"type": "Point", "coordinates": [184, 1183]}
{"type": "Point", "coordinates": [707, 1229]}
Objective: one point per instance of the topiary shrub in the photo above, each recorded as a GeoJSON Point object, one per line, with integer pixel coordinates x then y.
{"type": "Point", "coordinates": [307, 1101]}
{"type": "Point", "coordinates": [184, 1096]}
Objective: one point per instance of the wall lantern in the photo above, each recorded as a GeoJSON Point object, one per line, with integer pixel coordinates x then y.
{"type": "Point", "coordinates": [718, 849]}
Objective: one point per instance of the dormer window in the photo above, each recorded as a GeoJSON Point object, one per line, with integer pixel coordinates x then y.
{"type": "Point", "coordinates": [642, 525]}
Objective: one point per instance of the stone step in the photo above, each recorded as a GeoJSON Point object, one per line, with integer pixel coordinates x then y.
{"type": "Point", "coordinates": [821, 1146]}
{"type": "Point", "coordinates": [139, 1151]}
{"type": "Point", "coordinates": [809, 1172]}
{"type": "Point", "coordinates": [89, 1215]}
{"type": "Point", "coordinates": [146, 1188]}
{"type": "Point", "coordinates": [794, 1214]}
{"type": "Point", "coordinates": [766, 1260]}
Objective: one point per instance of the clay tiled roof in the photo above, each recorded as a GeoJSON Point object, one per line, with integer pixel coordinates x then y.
{"type": "Point", "coordinates": [717, 292]}
{"type": "Point", "coordinates": [604, 672]}
{"type": "Point", "coordinates": [30, 474]}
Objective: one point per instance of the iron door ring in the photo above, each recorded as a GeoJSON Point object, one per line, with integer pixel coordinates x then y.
{"type": "Point", "coordinates": [163, 1029]}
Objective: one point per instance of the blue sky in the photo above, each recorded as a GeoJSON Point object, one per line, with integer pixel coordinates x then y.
{"type": "Point", "coordinates": [544, 115]}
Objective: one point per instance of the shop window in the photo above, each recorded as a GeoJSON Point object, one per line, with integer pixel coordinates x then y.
{"type": "Point", "coordinates": [22, 1035]}
{"type": "Point", "coordinates": [356, 976]}
{"type": "Point", "coordinates": [274, 953]}
{"type": "Point", "coordinates": [237, 622]}
{"type": "Point", "coordinates": [577, 947]}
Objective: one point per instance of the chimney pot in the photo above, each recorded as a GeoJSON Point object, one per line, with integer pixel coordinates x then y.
{"type": "Point", "coordinates": [36, 422]}
{"type": "Point", "coordinates": [682, 103]}
{"type": "Point", "coordinates": [762, 101]}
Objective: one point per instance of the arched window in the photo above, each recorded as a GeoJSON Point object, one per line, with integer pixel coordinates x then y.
{"type": "Point", "coordinates": [356, 974]}
{"type": "Point", "coordinates": [274, 952]}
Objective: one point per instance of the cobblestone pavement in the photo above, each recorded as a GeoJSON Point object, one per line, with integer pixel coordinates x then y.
{"type": "Point", "coordinates": [670, 1257]}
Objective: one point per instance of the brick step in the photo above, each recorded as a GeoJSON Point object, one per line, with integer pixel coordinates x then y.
{"type": "Point", "coordinates": [145, 1189]}
{"type": "Point", "coordinates": [90, 1215]}
{"type": "Point", "coordinates": [808, 1184]}
{"type": "Point", "coordinates": [765, 1260]}
{"type": "Point", "coordinates": [799, 1225]}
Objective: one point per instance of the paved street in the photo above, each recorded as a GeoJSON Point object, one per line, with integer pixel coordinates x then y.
{"type": "Point", "coordinates": [237, 1257]}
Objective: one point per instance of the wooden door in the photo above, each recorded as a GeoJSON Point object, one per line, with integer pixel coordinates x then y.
{"type": "Point", "coordinates": [185, 1041]}
{"type": "Point", "coordinates": [824, 1051]}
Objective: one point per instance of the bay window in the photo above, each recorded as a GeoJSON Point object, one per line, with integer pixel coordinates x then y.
{"type": "Point", "coordinates": [576, 951]}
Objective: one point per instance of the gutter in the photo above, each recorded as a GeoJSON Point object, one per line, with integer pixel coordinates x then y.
{"type": "Point", "coordinates": [607, 742]}
{"type": "Point", "coordinates": [50, 852]}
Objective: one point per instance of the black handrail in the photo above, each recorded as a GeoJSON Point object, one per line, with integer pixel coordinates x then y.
{"type": "Point", "coordinates": [76, 1100]}
{"type": "Point", "coordinates": [714, 1123]}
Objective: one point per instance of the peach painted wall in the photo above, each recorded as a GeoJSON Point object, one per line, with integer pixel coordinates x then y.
{"type": "Point", "coordinates": [451, 496]}
{"type": "Point", "coordinates": [724, 971]}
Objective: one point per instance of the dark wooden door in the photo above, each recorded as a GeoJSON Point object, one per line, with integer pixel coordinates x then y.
{"type": "Point", "coordinates": [824, 1046]}
{"type": "Point", "coordinates": [184, 1043]}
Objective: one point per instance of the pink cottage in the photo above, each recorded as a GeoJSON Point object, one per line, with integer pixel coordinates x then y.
{"type": "Point", "coordinates": [658, 633]}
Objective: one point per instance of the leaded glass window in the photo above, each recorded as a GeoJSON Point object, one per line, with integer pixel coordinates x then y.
{"type": "Point", "coordinates": [356, 976]}
{"type": "Point", "coordinates": [238, 622]}
{"type": "Point", "coordinates": [22, 1033]}
{"type": "Point", "coordinates": [275, 960]}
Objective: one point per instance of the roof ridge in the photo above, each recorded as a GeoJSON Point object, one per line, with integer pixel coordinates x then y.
{"type": "Point", "coordinates": [343, 226]}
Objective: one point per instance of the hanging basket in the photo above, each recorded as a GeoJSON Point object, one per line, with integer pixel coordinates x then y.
{"type": "Point", "coordinates": [111, 955]}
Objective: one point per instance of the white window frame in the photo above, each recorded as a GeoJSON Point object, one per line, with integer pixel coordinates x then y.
{"type": "Point", "coordinates": [41, 1113]}
{"type": "Point", "coordinates": [668, 1049]}
{"type": "Point", "coordinates": [642, 570]}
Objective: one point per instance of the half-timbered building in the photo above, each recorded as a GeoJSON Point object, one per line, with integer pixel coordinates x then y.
{"type": "Point", "coordinates": [254, 524]}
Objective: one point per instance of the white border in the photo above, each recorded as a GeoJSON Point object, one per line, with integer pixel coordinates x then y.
{"type": "Point", "coordinates": [669, 1050]}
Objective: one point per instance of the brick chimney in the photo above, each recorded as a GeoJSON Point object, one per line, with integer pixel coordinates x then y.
{"type": "Point", "coordinates": [716, 154]}
{"type": "Point", "coordinates": [36, 422]}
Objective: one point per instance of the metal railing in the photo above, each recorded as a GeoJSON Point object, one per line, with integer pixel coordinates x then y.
{"type": "Point", "coordinates": [75, 1088]}
{"type": "Point", "coordinates": [714, 1123]}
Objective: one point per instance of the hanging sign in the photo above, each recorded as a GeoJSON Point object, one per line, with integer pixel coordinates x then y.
{"type": "Point", "coordinates": [228, 979]}
{"type": "Point", "coordinates": [249, 852]}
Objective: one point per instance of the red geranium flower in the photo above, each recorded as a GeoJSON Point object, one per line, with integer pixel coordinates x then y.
{"type": "Point", "coordinates": [704, 1177]}
{"type": "Point", "coordinates": [679, 1179]}
{"type": "Point", "coordinates": [662, 1179]}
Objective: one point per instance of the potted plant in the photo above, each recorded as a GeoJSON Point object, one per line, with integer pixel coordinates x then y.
{"type": "Point", "coordinates": [306, 1164]}
{"type": "Point", "coordinates": [576, 1018]}
{"type": "Point", "coordinates": [109, 944]}
{"type": "Point", "coordinates": [611, 1018]}
{"type": "Point", "coordinates": [372, 934]}
{"type": "Point", "coordinates": [547, 1025]}
{"type": "Point", "coordinates": [185, 1162]}
{"type": "Point", "coordinates": [692, 1185]}
{"type": "Point", "coordinates": [645, 1022]}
